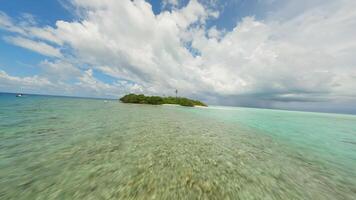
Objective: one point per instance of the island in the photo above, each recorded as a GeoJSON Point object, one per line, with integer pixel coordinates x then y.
{"type": "Point", "coordinates": [157, 100]}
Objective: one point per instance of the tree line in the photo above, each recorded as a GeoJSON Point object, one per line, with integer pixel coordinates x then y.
{"type": "Point", "coordinates": [157, 100]}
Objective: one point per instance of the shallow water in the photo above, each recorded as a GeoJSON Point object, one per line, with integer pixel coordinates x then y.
{"type": "Point", "coordinates": [71, 148]}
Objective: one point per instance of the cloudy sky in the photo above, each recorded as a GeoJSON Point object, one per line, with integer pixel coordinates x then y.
{"type": "Point", "coordinates": [289, 54]}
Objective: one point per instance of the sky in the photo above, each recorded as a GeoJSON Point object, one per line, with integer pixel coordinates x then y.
{"type": "Point", "coordinates": [286, 54]}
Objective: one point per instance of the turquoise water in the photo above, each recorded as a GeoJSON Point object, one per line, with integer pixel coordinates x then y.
{"type": "Point", "coordinates": [72, 148]}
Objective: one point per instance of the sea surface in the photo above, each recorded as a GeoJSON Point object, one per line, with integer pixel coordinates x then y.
{"type": "Point", "coordinates": [75, 148]}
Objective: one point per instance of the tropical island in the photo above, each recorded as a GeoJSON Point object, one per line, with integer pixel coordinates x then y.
{"type": "Point", "coordinates": [157, 100]}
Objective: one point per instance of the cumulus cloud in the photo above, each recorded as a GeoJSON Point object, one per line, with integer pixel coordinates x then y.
{"type": "Point", "coordinates": [89, 85]}
{"type": "Point", "coordinates": [303, 55]}
{"type": "Point", "coordinates": [59, 70]}
{"type": "Point", "coordinates": [86, 85]}
{"type": "Point", "coordinates": [14, 83]}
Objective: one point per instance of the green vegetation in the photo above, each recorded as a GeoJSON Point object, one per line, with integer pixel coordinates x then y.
{"type": "Point", "coordinates": [156, 100]}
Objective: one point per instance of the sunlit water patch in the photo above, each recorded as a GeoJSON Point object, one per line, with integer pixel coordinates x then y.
{"type": "Point", "coordinates": [67, 148]}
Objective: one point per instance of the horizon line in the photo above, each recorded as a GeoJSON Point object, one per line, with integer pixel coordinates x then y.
{"type": "Point", "coordinates": [209, 105]}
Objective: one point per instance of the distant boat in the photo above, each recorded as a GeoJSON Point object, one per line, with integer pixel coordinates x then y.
{"type": "Point", "coordinates": [19, 95]}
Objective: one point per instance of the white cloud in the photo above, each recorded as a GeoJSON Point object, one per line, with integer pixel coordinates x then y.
{"type": "Point", "coordinates": [27, 28]}
{"type": "Point", "coordinates": [86, 85]}
{"type": "Point", "coordinates": [39, 47]}
{"type": "Point", "coordinates": [59, 70]}
{"type": "Point", "coordinates": [13, 83]}
{"type": "Point", "coordinates": [7, 24]}
{"type": "Point", "coordinates": [89, 84]}
{"type": "Point", "coordinates": [170, 3]}
{"type": "Point", "coordinates": [305, 54]}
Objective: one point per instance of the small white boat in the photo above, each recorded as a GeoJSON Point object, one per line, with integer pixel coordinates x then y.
{"type": "Point", "coordinates": [19, 95]}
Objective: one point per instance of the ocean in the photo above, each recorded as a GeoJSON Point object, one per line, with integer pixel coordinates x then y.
{"type": "Point", "coordinates": [77, 148]}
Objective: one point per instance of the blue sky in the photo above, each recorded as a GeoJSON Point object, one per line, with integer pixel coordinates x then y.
{"type": "Point", "coordinates": [260, 53]}
{"type": "Point", "coordinates": [22, 62]}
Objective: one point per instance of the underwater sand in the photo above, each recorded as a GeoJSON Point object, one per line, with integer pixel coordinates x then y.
{"type": "Point", "coordinates": [72, 148]}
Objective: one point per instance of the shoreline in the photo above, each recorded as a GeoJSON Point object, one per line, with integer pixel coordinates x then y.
{"type": "Point", "coordinates": [167, 104]}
